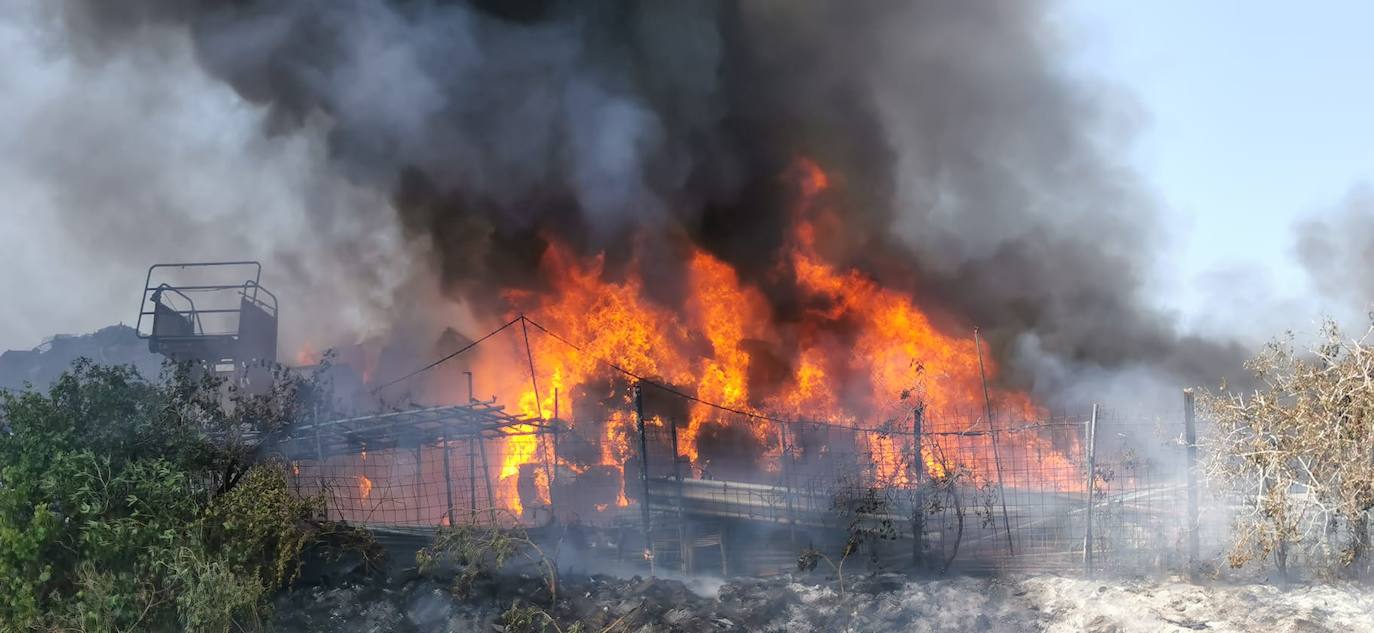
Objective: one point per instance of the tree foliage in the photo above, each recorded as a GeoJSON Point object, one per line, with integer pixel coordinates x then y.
{"type": "Point", "coordinates": [1299, 453]}
{"type": "Point", "coordinates": [136, 505]}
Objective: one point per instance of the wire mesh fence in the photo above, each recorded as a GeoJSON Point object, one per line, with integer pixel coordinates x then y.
{"type": "Point", "coordinates": [1006, 495]}
{"type": "Point", "coordinates": [414, 488]}
{"type": "Point", "coordinates": [1103, 491]}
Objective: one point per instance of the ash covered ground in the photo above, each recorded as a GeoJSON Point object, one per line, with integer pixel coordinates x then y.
{"type": "Point", "coordinates": [806, 604]}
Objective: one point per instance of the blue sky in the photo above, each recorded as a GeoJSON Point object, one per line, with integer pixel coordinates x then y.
{"type": "Point", "coordinates": [1255, 114]}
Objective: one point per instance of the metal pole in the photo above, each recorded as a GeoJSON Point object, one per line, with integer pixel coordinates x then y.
{"type": "Point", "coordinates": [557, 430]}
{"type": "Point", "coordinates": [681, 523]}
{"type": "Point", "coordinates": [472, 476]}
{"type": "Point", "coordinates": [448, 478]}
{"type": "Point", "coordinates": [475, 442]}
{"type": "Point", "coordinates": [787, 483]}
{"type": "Point", "coordinates": [644, 477]}
{"type": "Point", "coordinates": [539, 410]}
{"type": "Point", "coordinates": [1092, 478]}
{"type": "Point", "coordinates": [486, 473]}
{"type": "Point", "coordinates": [992, 433]}
{"type": "Point", "coordinates": [918, 504]}
{"type": "Point", "coordinates": [419, 477]}
{"type": "Point", "coordinates": [534, 379]}
{"type": "Point", "coordinates": [672, 433]}
{"type": "Point", "coordinates": [1190, 439]}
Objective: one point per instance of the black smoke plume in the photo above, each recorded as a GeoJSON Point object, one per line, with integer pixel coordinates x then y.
{"type": "Point", "coordinates": [973, 170]}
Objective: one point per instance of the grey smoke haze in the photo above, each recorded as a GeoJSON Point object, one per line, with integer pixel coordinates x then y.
{"type": "Point", "coordinates": [122, 160]}
{"type": "Point", "coordinates": [1337, 250]}
{"type": "Point", "coordinates": [973, 170]}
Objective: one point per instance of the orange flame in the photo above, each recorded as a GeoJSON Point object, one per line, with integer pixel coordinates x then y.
{"type": "Point", "coordinates": [364, 486]}
{"type": "Point", "coordinates": [716, 342]}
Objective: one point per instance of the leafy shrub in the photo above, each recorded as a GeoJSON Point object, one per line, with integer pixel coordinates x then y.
{"type": "Point", "coordinates": [130, 505]}
{"type": "Point", "coordinates": [259, 522]}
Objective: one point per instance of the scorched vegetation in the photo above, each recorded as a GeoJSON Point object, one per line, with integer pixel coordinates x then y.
{"type": "Point", "coordinates": [1299, 454]}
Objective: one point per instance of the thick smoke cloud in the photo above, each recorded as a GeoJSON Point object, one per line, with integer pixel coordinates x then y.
{"type": "Point", "coordinates": [1337, 251]}
{"type": "Point", "coordinates": [114, 161]}
{"type": "Point", "coordinates": [973, 171]}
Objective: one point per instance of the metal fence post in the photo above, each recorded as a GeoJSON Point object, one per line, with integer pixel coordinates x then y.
{"type": "Point", "coordinates": [557, 427]}
{"type": "Point", "coordinates": [918, 503]}
{"type": "Point", "coordinates": [1092, 479]}
{"type": "Point", "coordinates": [992, 434]}
{"type": "Point", "coordinates": [644, 476]}
{"type": "Point", "coordinates": [448, 477]}
{"type": "Point", "coordinates": [419, 477]}
{"type": "Point", "coordinates": [486, 476]}
{"type": "Point", "coordinates": [682, 540]}
{"type": "Point", "coordinates": [786, 459]}
{"type": "Point", "coordinates": [1190, 439]}
{"type": "Point", "coordinates": [472, 476]}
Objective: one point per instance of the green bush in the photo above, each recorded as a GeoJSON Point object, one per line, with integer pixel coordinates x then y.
{"type": "Point", "coordinates": [257, 524]}
{"type": "Point", "coordinates": [132, 505]}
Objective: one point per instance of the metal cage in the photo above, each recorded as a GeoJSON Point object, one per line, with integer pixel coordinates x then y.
{"type": "Point", "coordinates": [200, 312]}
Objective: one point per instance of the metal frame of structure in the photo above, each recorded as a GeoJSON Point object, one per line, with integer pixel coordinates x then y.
{"type": "Point", "coordinates": [408, 429]}
{"type": "Point", "coordinates": [181, 332]}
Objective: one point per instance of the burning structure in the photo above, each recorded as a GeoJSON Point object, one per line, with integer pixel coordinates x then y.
{"type": "Point", "coordinates": [782, 222]}
{"type": "Point", "coordinates": [853, 353]}
{"type": "Point", "coordinates": [856, 413]}
{"type": "Point", "coordinates": [754, 488]}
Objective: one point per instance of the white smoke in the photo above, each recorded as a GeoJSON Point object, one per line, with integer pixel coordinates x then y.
{"type": "Point", "coordinates": [139, 157]}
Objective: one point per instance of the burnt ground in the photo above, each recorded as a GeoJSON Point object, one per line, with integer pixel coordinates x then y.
{"type": "Point", "coordinates": [344, 599]}
{"type": "Point", "coordinates": [600, 603]}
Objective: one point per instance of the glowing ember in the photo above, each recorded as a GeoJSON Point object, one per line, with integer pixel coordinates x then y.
{"type": "Point", "coordinates": [307, 355]}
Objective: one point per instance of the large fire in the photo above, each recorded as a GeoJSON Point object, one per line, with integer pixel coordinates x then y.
{"type": "Point", "coordinates": [856, 347]}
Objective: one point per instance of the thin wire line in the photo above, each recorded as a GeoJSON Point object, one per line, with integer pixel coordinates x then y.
{"type": "Point", "coordinates": [441, 360]}
{"type": "Point", "coordinates": [688, 396]}
{"type": "Point", "coordinates": [534, 377]}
